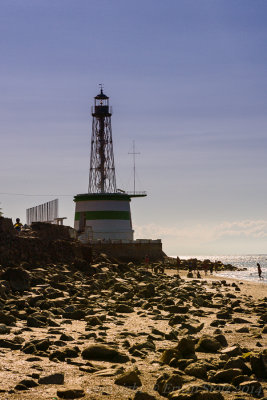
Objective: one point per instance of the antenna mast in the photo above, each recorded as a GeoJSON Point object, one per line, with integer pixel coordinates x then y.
{"type": "Point", "coordinates": [134, 153]}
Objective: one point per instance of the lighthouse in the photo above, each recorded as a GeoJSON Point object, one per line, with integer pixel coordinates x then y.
{"type": "Point", "coordinates": [103, 212]}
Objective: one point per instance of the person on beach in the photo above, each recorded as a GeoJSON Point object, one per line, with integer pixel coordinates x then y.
{"type": "Point", "coordinates": [259, 270]}
{"type": "Point", "coordinates": [147, 261]}
{"type": "Point", "coordinates": [18, 225]}
{"type": "Point", "coordinates": [211, 268]}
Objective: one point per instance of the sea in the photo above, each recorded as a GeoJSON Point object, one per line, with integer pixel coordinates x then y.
{"type": "Point", "coordinates": [245, 261]}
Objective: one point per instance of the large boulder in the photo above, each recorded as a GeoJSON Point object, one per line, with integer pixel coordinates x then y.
{"type": "Point", "coordinates": [101, 352]}
{"type": "Point", "coordinates": [18, 278]}
{"type": "Point", "coordinates": [208, 344]}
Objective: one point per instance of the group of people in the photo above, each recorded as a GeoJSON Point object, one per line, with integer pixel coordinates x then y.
{"type": "Point", "coordinates": [193, 267]}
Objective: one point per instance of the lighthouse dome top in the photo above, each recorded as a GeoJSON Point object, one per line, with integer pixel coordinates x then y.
{"type": "Point", "coordinates": [101, 96]}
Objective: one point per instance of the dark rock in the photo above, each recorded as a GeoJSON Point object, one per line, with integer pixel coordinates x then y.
{"type": "Point", "coordinates": [238, 362]}
{"type": "Point", "coordinates": [4, 329]}
{"type": "Point", "coordinates": [147, 345]}
{"type": "Point", "coordinates": [71, 352]}
{"type": "Point", "coordinates": [29, 348]}
{"type": "Point", "coordinates": [53, 379]}
{"type": "Point", "coordinates": [29, 383]}
{"type": "Point", "coordinates": [208, 344]}
{"type": "Point", "coordinates": [232, 351]}
{"type": "Point", "coordinates": [94, 321]}
{"type": "Point", "coordinates": [102, 352]}
{"type": "Point", "coordinates": [35, 323]}
{"type": "Point", "coordinates": [253, 388]}
{"type": "Point", "coordinates": [244, 329]}
{"type": "Point", "coordinates": [9, 344]}
{"type": "Point", "coordinates": [66, 338]}
{"type": "Point", "coordinates": [57, 355]}
{"type": "Point", "coordinates": [186, 346]}
{"type": "Point", "coordinates": [18, 278]}
{"type": "Point", "coordinates": [196, 369]}
{"type": "Point", "coordinates": [169, 355]}
{"type": "Point", "coordinates": [239, 379]}
{"type": "Point", "coordinates": [70, 393]}
{"type": "Point", "coordinates": [129, 379]}
{"type": "Point", "coordinates": [226, 375]}
{"type": "Point", "coordinates": [166, 384]}
{"type": "Point", "coordinates": [259, 365]}
{"type": "Point", "coordinates": [221, 339]}
{"type": "Point", "coordinates": [19, 386]}
{"type": "Point", "coordinates": [7, 319]}
{"type": "Point", "coordinates": [238, 320]}
{"type": "Point", "coordinates": [124, 308]}
{"type": "Point", "coordinates": [76, 314]}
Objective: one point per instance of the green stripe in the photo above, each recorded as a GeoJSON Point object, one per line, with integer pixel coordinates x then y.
{"type": "Point", "coordinates": [101, 196]}
{"type": "Point", "coordinates": [91, 215]}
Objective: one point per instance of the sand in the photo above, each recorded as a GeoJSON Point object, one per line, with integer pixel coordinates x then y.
{"type": "Point", "coordinates": [134, 327]}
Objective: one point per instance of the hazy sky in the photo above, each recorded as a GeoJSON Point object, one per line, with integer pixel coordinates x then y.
{"type": "Point", "coordinates": [187, 82]}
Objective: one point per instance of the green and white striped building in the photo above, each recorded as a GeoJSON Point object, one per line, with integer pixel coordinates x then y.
{"type": "Point", "coordinates": [106, 215]}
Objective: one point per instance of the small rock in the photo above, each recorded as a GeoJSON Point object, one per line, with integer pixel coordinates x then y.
{"type": "Point", "coordinates": [124, 308]}
{"type": "Point", "coordinates": [4, 329]}
{"type": "Point", "coordinates": [253, 388]}
{"type": "Point", "coordinates": [129, 379]}
{"type": "Point", "coordinates": [259, 365]}
{"type": "Point", "coordinates": [166, 384]}
{"type": "Point", "coordinates": [196, 369]}
{"type": "Point", "coordinates": [29, 383]}
{"type": "Point", "coordinates": [232, 351]}
{"type": "Point", "coordinates": [186, 346]}
{"type": "Point", "coordinates": [226, 376]}
{"type": "Point", "coordinates": [53, 379]}
{"type": "Point", "coordinates": [70, 393]}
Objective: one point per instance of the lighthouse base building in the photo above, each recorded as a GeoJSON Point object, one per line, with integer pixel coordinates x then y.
{"type": "Point", "coordinates": [104, 216]}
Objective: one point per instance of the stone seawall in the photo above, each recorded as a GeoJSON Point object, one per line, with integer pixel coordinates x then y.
{"type": "Point", "coordinates": [44, 243]}
{"type": "Point", "coordinates": [135, 252]}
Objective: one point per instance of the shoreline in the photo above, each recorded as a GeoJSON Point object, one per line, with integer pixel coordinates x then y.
{"type": "Point", "coordinates": [255, 289]}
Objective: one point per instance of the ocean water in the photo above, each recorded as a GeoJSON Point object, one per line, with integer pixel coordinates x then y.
{"type": "Point", "coordinates": [244, 261]}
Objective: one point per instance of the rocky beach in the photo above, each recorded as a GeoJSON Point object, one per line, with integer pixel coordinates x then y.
{"type": "Point", "coordinates": [91, 327]}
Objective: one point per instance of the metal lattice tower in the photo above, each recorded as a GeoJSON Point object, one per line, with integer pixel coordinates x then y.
{"type": "Point", "coordinates": [102, 177]}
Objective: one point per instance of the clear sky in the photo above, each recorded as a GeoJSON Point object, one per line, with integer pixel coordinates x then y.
{"type": "Point", "coordinates": [187, 82]}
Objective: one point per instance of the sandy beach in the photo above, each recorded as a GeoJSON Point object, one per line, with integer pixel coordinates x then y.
{"type": "Point", "coordinates": [257, 290]}
{"type": "Point", "coordinates": [57, 340]}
